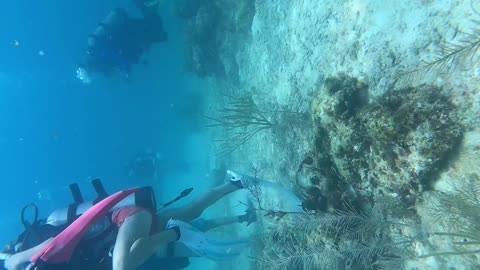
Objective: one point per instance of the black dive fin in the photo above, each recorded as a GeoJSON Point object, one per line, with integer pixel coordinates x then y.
{"type": "Point", "coordinates": [99, 189]}
{"type": "Point", "coordinates": [76, 194]}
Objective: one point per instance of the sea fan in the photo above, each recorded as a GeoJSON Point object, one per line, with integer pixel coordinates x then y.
{"type": "Point", "coordinates": [243, 119]}
{"type": "Point", "coordinates": [458, 212]}
{"type": "Point", "coordinates": [341, 240]}
{"type": "Point", "coordinates": [463, 50]}
{"type": "Point", "coordinates": [475, 6]}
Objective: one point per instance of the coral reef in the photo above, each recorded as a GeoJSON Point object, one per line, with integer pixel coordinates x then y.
{"type": "Point", "coordinates": [368, 138]}
{"type": "Point", "coordinates": [397, 143]}
{"type": "Point", "coordinates": [369, 163]}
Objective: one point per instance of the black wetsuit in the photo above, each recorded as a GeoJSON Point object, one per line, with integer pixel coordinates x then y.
{"type": "Point", "coordinates": [126, 40]}
{"type": "Point", "coordinates": [114, 50]}
{"type": "Point", "coordinates": [144, 165]}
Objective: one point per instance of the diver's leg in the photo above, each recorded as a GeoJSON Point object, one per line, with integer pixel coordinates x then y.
{"type": "Point", "coordinates": [181, 250]}
{"type": "Point", "coordinates": [204, 225]}
{"type": "Point", "coordinates": [210, 224]}
{"type": "Point", "coordinates": [134, 245]}
{"type": "Point", "coordinates": [133, 228]}
{"type": "Point", "coordinates": [195, 209]}
{"type": "Point", "coordinates": [145, 247]}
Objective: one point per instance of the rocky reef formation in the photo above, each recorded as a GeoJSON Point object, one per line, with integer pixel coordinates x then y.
{"type": "Point", "coordinates": [370, 162]}
{"type": "Point", "coordinates": [395, 144]}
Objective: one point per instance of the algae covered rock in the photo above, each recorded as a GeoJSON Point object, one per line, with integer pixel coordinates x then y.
{"type": "Point", "coordinates": [396, 143]}
{"type": "Point", "coordinates": [339, 142]}
{"type": "Point", "coordinates": [340, 98]}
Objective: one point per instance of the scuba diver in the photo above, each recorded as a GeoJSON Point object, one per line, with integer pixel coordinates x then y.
{"type": "Point", "coordinates": [147, 6]}
{"type": "Point", "coordinates": [149, 164]}
{"type": "Point", "coordinates": [96, 232]}
{"type": "Point", "coordinates": [144, 165]}
{"type": "Point", "coordinates": [119, 41]}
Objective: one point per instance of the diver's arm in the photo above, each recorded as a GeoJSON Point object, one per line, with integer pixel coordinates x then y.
{"type": "Point", "coordinates": [16, 261]}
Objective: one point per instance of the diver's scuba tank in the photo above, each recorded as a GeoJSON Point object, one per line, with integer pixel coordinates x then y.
{"type": "Point", "coordinates": [144, 198]}
{"type": "Point", "coordinates": [105, 33]}
{"type": "Point", "coordinates": [115, 18]}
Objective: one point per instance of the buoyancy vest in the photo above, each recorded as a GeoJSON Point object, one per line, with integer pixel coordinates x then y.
{"type": "Point", "coordinates": [92, 252]}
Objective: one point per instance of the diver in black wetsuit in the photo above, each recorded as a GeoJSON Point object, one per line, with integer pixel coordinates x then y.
{"type": "Point", "coordinates": [119, 41]}
{"type": "Point", "coordinates": [147, 6]}
{"type": "Point", "coordinates": [109, 48]}
{"type": "Point", "coordinates": [144, 165]}
{"type": "Point", "coordinates": [148, 29]}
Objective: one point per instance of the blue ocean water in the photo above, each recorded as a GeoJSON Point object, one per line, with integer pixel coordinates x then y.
{"type": "Point", "coordinates": [56, 130]}
{"type": "Point", "coordinates": [360, 116]}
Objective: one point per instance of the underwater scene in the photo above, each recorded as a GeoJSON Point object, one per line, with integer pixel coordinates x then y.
{"type": "Point", "coordinates": [240, 134]}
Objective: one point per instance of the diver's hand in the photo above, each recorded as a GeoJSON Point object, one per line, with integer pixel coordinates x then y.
{"type": "Point", "coordinates": [14, 263]}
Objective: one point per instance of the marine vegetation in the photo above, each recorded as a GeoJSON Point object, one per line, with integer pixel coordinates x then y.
{"type": "Point", "coordinates": [382, 235]}
{"type": "Point", "coordinates": [373, 238]}
{"type": "Point", "coordinates": [464, 49]}
{"type": "Point", "coordinates": [458, 214]}
{"type": "Point", "coordinates": [242, 119]}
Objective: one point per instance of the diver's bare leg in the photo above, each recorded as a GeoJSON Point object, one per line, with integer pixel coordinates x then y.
{"type": "Point", "coordinates": [195, 209]}
{"type": "Point", "coordinates": [134, 244]}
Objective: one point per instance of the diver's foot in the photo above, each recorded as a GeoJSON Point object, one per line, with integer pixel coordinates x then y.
{"type": "Point", "coordinates": [249, 217]}
{"type": "Point", "coordinates": [241, 181]}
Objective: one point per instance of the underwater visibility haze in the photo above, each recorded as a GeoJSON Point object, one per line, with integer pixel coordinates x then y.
{"type": "Point", "coordinates": [262, 134]}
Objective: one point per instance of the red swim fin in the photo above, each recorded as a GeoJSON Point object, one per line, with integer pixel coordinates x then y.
{"type": "Point", "coordinates": [61, 248]}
